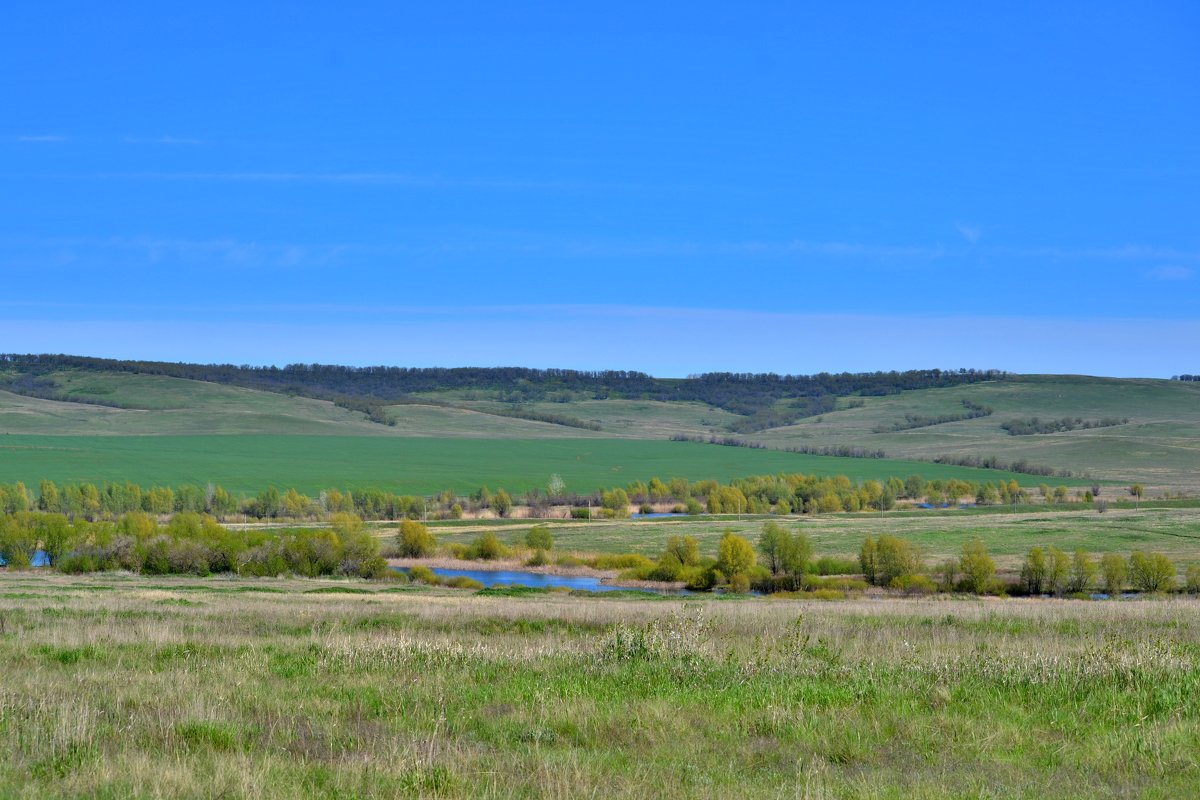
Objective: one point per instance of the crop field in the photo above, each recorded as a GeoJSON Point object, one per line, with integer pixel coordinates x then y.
{"type": "Point", "coordinates": [940, 534]}
{"type": "Point", "coordinates": [418, 465]}
{"type": "Point", "coordinates": [131, 687]}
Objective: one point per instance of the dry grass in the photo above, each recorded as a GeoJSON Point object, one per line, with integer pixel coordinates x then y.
{"type": "Point", "coordinates": [118, 686]}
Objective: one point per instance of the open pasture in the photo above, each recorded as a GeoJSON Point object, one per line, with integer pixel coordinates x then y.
{"type": "Point", "coordinates": [940, 534]}
{"type": "Point", "coordinates": [133, 687]}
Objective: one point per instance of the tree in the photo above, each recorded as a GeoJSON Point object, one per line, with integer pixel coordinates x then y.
{"type": "Point", "coordinates": [735, 555]}
{"type": "Point", "coordinates": [1137, 490]}
{"type": "Point", "coordinates": [773, 543]}
{"type": "Point", "coordinates": [415, 540]}
{"type": "Point", "coordinates": [502, 503]}
{"type": "Point", "coordinates": [1112, 568]}
{"type": "Point", "coordinates": [895, 557]}
{"type": "Point", "coordinates": [1083, 572]}
{"type": "Point", "coordinates": [1033, 571]}
{"type": "Point", "coordinates": [1151, 572]}
{"type": "Point", "coordinates": [1060, 568]}
{"type": "Point", "coordinates": [977, 567]}
{"type": "Point", "coordinates": [556, 486]}
{"type": "Point", "coordinates": [685, 549]}
{"type": "Point", "coordinates": [867, 559]}
{"type": "Point", "coordinates": [616, 501]}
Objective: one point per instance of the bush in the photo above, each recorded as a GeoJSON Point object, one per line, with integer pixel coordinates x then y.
{"type": "Point", "coordinates": [913, 584]}
{"type": "Point", "coordinates": [569, 560]}
{"type": "Point", "coordinates": [645, 508]}
{"type": "Point", "coordinates": [462, 582]}
{"type": "Point", "coordinates": [621, 561]}
{"type": "Point", "coordinates": [829, 565]}
{"type": "Point", "coordinates": [487, 547]}
{"type": "Point", "coordinates": [539, 538]}
{"type": "Point", "coordinates": [415, 540]}
{"type": "Point", "coordinates": [1192, 579]}
{"type": "Point", "coordinates": [693, 507]}
{"type": "Point", "coordinates": [581, 513]}
{"type": "Point", "coordinates": [739, 583]}
{"type": "Point", "coordinates": [420, 574]}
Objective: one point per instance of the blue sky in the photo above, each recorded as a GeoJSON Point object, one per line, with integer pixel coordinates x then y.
{"type": "Point", "coordinates": [677, 188]}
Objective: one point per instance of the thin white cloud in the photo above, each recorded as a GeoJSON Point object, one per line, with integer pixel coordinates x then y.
{"type": "Point", "coordinates": [971, 233]}
{"type": "Point", "coordinates": [336, 178]}
{"type": "Point", "coordinates": [179, 140]}
{"type": "Point", "coordinates": [42, 138]}
{"type": "Point", "coordinates": [1172, 273]}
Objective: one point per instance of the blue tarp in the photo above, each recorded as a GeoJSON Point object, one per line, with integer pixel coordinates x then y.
{"type": "Point", "coordinates": [39, 559]}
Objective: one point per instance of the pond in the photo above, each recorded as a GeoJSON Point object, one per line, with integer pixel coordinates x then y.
{"type": "Point", "coordinates": [505, 577]}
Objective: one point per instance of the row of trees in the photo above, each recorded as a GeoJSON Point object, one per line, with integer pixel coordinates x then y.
{"type": "Point", "coordinates": [781, 494]}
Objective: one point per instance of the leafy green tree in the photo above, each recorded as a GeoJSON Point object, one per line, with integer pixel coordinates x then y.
{"type": "Point", "coordinates": [867, 560]}
{"type": "Point", "coordinates": [895, 557]}
{"type": "Point", "coordinates": [735, 555]}
{"type": "Point", "coordinates": [502, 503]}
{"type": "Point", "coordinates": [685, 549]}
{"type": "Point", "coordinates": [415, 540]}
{"type": "Point", "coordinates": [1114, 573]}
{"type": "Point", "coordinates": [773, 543]}
{"type": "Point", "coordinates": [1059, 570]}
{"type": "Point", "coordinates": [1151, 572]}
{"type": "Point", "coordinates": [616, 501]}
{"type": "Point", "coordinates": [49, 498]}
{"type": "Point", "coordinates": [1083, 572]}
{"type": "Point", "coordinates": [1137, 490]}
{"type": "Point", "coordinates": [977, 567]}
{"type": "Point", "coordinates": [1033, 571]}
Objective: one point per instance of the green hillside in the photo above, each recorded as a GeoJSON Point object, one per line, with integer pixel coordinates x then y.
{"type": "Point", "coordinates": [1159, 445]}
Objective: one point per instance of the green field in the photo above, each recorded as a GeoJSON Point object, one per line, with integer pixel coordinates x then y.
{"type": "Point", "coordinates": [119, 687]}
{"type": "Point", "coordinates": [1159, 446]}
{"type": "Point", "coordinates": [940, 534]}
{"type": "Point", "coordinates": [417, 465]}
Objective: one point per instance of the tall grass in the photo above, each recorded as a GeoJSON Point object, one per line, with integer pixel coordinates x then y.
{"type": "Point", "coordinates": [121, 686]}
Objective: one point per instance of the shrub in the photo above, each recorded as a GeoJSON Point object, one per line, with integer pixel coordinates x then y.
{"type": "Point", "coordinates": [539, 538]}
{"type": "Point", "coordinates": [415, 540]}
{"type": "Point", "coordinates": [693, 507]}
{"type": "Point", "coordinates": [829, 565]}
{"type": "Point", "coordinates": [739, 583]}
{"type": "Point", "coordinates": [1192, 579]}
{"type": "Point", "coordinates": [462, 582]}
{"type": "Point", "coordinates": [459, 550]}
{"type": "Point", "coordinates": [456, 511]}
{"type": "Point", "coordinates": [420, 574]}
{"type": "Point", "coordinates": [569, 560]}
{"type": "Point", "coordinates": [621, 561]}
{"type": "Point", "coordinates": [487, 547]}
{"type": "Point", "coordinates": [913, 584]}
{"type": "Point", "coordinates": [645, 508]}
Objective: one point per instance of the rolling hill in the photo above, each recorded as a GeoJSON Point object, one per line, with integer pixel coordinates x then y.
{"type": "Point", "coordinates": [184, 429]}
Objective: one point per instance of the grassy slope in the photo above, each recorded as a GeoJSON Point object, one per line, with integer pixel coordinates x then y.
{"type": "Point", "coordinates": [131, 687]}
{"type": "Point", "coordinates": [415, 465]}
{"type": "Point", "coordinates": [1160, 446]}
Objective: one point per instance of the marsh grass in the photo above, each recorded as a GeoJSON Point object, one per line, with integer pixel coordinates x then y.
{"type": "Point", "coordinates": [128, 692]}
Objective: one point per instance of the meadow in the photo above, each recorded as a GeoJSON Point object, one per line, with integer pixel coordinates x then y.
{"type": "Point", "coordinates": [118, 686]}
{"type": "Point", "coordinates": [412, 465]}
{"type": "Point", "coordinates": [1007, 535]}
